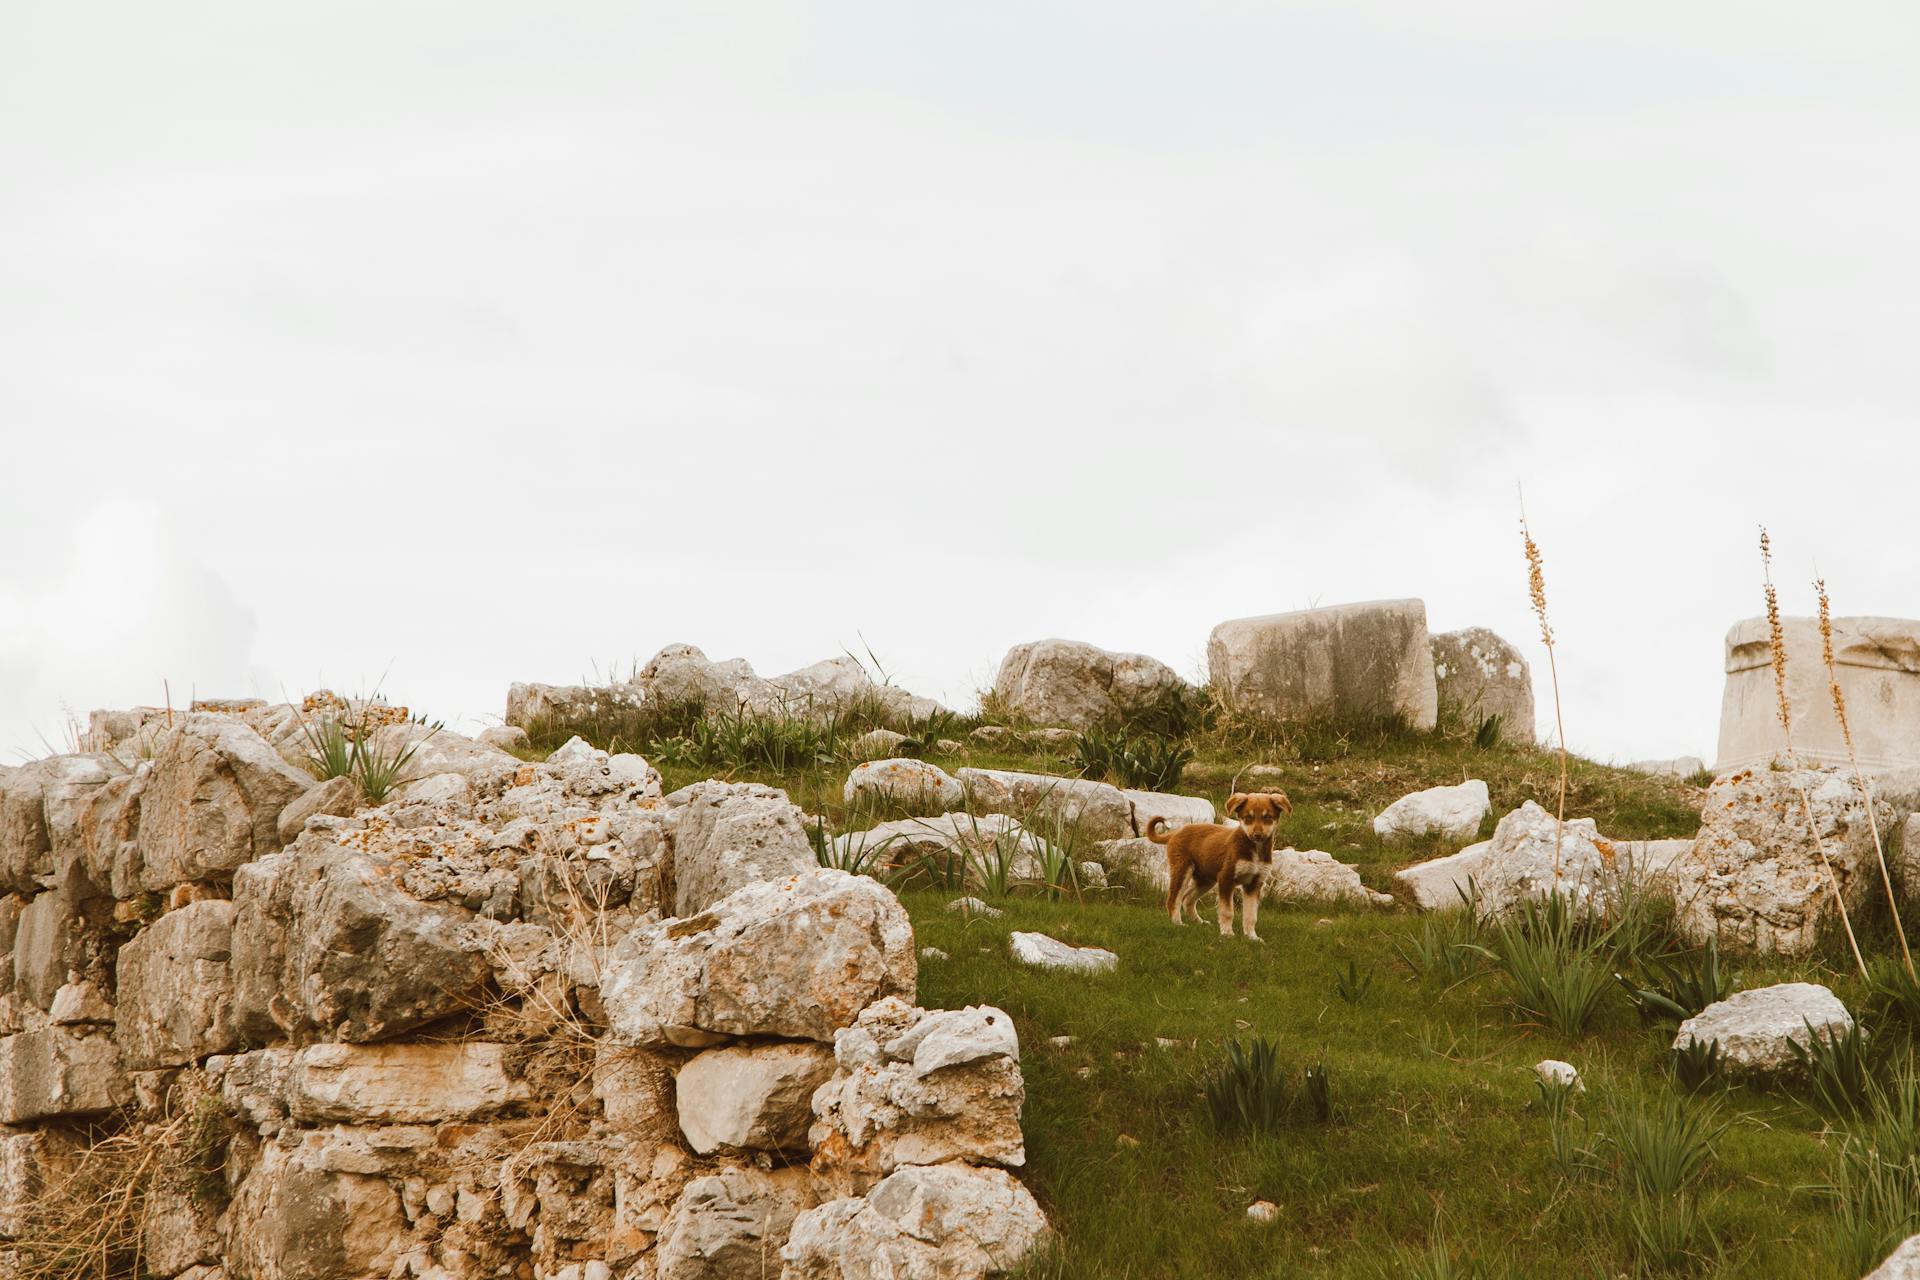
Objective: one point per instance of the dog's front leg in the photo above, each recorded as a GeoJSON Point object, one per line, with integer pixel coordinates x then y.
{"type": "Point", "coordinates": [1250, 912]}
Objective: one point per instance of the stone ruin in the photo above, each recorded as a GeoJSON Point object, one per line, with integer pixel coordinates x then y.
{"type": "Point", "coordinates": [1877, 661]}
{"type": "Point", "coordinates": [522, 1020]}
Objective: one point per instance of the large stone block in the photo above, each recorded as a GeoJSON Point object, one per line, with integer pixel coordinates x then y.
{"type": "Point", "coordinates": [59, 1072]}
{"type": "Point", "coordinates": [47, 944]}
{"type": "Point", "coordinates": [1074, 685]}
{"type": "Point", "coordinates": [751, 1097]}
{"type": "Point", "coordinates": [326, 940]}
{"type": "Point", "coordinates": [1350, 660]}
{"type": "Point", "coordinates": [175, 988]}
{"type": "Point", "coordinates": [946, 1222]}
{"type": "Point", "coordinates": [401, 1083]}
{"type": "Point", "coordinates": [795, 958]}
{"type": "Point", "coordinates": [40, 807]}
{"type": "Point", "coordinates": [297, 1216]}
{"type": "Point", "coordinates": [1477, 674]}
{"type": "Point", "coordinates": [729, 835]}
{"type": "Point", "coordinates": [212, 802]}
{"type": "Point", "coordinates": [1877, 661]}
{"type": "Point", "coordinates": [730, 1225]}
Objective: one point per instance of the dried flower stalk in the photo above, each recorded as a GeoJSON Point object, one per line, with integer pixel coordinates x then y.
{"type": "Point", "coordinates": [1860, 781]}
{"type": "Point", "coordinates": [1537, 591]}
{"type": "Point", "coordinates": [1777, 645]}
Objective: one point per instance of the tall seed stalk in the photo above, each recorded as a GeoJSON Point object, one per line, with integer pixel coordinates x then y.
{"type": "Point", "coordinates": [1777, 650]}
{"type": "Point", "coordinates": [1537, 590]}
{"type": "Point", "coordinates": [1853, 758]}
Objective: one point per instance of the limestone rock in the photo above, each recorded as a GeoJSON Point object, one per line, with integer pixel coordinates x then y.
{"type": "Point", "coordinates": [1454, 812]}
{"type": "Point", "coordinates": [1521, 865]}
{"type": "Point", "coordinates": [176, 989]}
{"type": "Point", "coordinates": [1756, 1029]}
{"type": "Point", "coordinates": [1754, 878]}
{"type": "Point", "coordinates": [298, 1216]}
{"type": "Point", "coordinates": [1440, 884]}
{"type": "Point", "coordinates": [530, 705]}
{"type": "Point", "coordinates": [682, 674]}
{"type": "Point", "coordinates": [919, 787]}
{"type": "Point", "coordinates": [796, 958]}
{"type": "Point", "coordinates": [730, 1225]}
{"type": "Point", "coordinates": [336, 798]}
{"type": "Point", "coordinates": [732, 834]}
{"type": "Point", "coordinates": [1346, 661]}
{"type": "Point", "coordinates": [48, 944]}
{"type": "Point", "coordinates": [80, 1004]}
{"type": "Point", "coordinates": [916, 1086]}
{"type": "Point", "coordinates": [1264, 1212]}
{"type": "Point", "coordinates": [878, 744]}
{"type": "Point", "coordinates": [59, 1072]}
{"type": "Point", "coordinates": [212, 802]}
{"type": "Point", "coordinates": [1902, 1264]}
{"type": "Point", "coordinates": [40, 805]}
{"type": "Point", "coordinates": [1042, 952]}
{"type": "Point", "coordinates": [1677, 767]}
{"type": "Point", "coordinates": [1877, 661]}
{"type": "Point", "coordinates": [963, 841]}
{"type": "Point", "coordinates": [751, 1096]}
{"type": "Point", "coordinates": [327, 939]}
{"type": "Point", "coordinates": [1315, 875]}
{"type": "Point", "coordinates": [507, 737]}
{"type": "Point", "coordinates": [975, 907]}
{"type": "Point", "coordinates": [26, 1159]}
{"type": "Point", "coordinates": [1099, 810]}
{"type": "Point", "coordinates": [401, 1083]}
{"type": "Point", "coordinates": [1479, 675]}
{"type": "Point", "coordinates": [1174, 810]}
{"type": "Point", "coordinates": [1079, 686]}
{"type": "Point", "coordinates": [945, 1222]}
{"type": "Point", "coordinates": [1561, 1074]}
{"type": "Point", "coordinates": [1138, 859]}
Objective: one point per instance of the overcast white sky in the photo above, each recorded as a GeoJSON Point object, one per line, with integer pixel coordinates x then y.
{"type": "Point", "coordinates": [473, 342]}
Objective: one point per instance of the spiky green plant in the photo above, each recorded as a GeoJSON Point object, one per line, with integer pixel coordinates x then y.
{"type": "Point", "coordinates": [1247, 1092]}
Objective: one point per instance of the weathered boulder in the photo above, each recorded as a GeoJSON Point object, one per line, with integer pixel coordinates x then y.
{"type": "Point", "coordinates": [1757, 1029]}
{"type": "Point", "coordinates": [507, 737]}
{"type": "Point", "coordinates": [1078, 686]}
{"type": "Point", "coordinates": [40, 805]}
{"type": "Point", "coordinates": [48, 944]}
{"type": "Point", "coordinates": [917, 1086]}
{"type": "Point", "coordinates": [1138, 859]}
{"type": "Point", "coordinates": [1902, 1264]}
{"type": "Point", "coordinates": [1315, 875]}
{"type": "Point", "coordinates": [1532, 858]}
{"type": "Point", "coordinates": [334, 798]}
{"type": "Point", "coordinates": [878, 744]}
{"type": "Point", "coordinates": [1755, 879]}
{"type": "Point", "coordinates": [796, 958]}
{"type": "Point", "coordinates": [731, 834]}
{"type": "Point", "coordinates": [29, 1161]}
{"type": "Point", "coordinates": [1677, 767]}
{"type": "Point", "coordinates": [1454, 812]}
{"type": "Point", "coordinates": [944, 1222]}
{"type": "Point", "coordinates": [682, 674]}
{"type": "Point", "coordinates": [1877, 661]}
{"type": "Point", "coordinates": [1478, 674]}
{"type": "Point", "coordinates": [730, 1225]}
{"type": "Point", "coordinates": [175, 989]}
{"type": "Point", "coordinates": [967, 844]}
{"type": "Point", "coordinates": [1042, 952]}
{"type": "Point", "coordinates": [531, 705]}
{"type": "Point", "coordinates": [211, 802]}
{"type": "Point", "coordinates": [1349, 660]}
{"type": "Point", "coordinates": [914, 785]}
{"type": "Point", "coordinates": [299, 1216]}
{"type": "Point", "coordinates": [1099, 810]}
{"type": "Point", "coordinates": [756, 1097]}
{"type": "Point", "coordinates": [326, 939]}
{"type": "Point", "coordinates": [1441, 884]}
{"type": "Point", "coordinates": [59, 1071]}
{"type": "Point", "coordinates": [401, 1083]}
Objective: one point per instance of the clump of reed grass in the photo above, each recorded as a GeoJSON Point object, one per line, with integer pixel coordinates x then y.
{"type": "Point", "coordinates": [1777, 652]}
{"type": "Point", "coordinates": [1853, 759]}
{"type": "Point", "coordinates": [1537, 592]}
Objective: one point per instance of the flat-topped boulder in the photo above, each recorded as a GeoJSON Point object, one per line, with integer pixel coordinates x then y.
{"type": "Point", "coordinates": [905, 783]}
{"type": "Point", "coordinates": [1877, 662]}
{"type": "Point", "coordinates": [1478, 674]}
{"type": "Point", "coordinates": [1347, 661]}
{"type": "Point", "coordinates": [1100, 810]}
{"type": "Point", "coordinates": [1075, 685]}
{"type": "Point", "coordinates": [1757, 1030]}
{"type": "Point", "coordinates": [1455, 812]}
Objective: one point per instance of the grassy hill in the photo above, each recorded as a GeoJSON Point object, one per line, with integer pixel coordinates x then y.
{"type": "Point", "coordinates": [1432, 1151]}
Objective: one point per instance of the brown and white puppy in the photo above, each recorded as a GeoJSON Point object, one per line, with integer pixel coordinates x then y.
{"type": "Point", "coordinates": [1203, 854]}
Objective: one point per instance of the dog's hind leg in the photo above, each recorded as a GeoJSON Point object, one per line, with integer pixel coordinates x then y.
{"type": "Point", "coordinates": [1176, 891]}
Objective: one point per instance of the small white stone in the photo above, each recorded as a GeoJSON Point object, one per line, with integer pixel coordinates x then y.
{"type": "Point", "coordinates": [1042, 952]}
{"type": "Point", "coordinates": [933, 953]}
{"type": "Point", "coordinates": [1264, 1212]}
{"type": "Point", "coordinates": [1564, 1074]}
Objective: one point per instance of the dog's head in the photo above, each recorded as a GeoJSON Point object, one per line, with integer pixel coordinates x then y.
{"type": "Point", "coordinates": [1258, 812]}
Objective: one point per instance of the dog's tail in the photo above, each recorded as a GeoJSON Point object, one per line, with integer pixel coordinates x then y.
{"type": "Point", "coordinates": [1154, 825]}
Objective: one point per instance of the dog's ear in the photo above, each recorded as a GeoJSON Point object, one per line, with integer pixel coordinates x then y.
{"type": "Point", "coordinates": [1236, 805]}
{"type": "Point", "coordinates": [1280, 798]}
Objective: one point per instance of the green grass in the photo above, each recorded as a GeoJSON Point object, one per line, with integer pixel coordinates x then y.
{"type": "Point", "coordinates": [1441, 1155]}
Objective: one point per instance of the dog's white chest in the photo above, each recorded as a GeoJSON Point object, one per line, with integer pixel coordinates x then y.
{"type": "Point", "coordinates": [1246, 871]}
